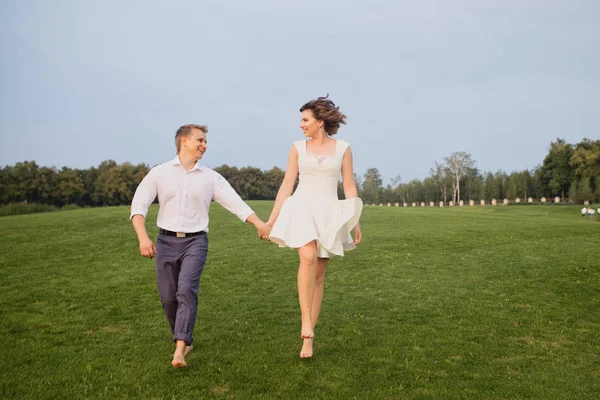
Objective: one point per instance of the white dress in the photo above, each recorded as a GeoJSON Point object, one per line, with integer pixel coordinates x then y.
{"type": "Point", "coordinates": [314, 211]}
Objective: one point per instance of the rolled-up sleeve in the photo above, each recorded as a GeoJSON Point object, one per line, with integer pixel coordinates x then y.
{"type": "Point", "coordinates": [144, 195]}
{"type": "Point", "coordinates": [224, 194]}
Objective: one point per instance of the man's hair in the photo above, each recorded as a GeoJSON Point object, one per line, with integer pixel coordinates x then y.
{"type": "Point", "coordinates": [185, 131]}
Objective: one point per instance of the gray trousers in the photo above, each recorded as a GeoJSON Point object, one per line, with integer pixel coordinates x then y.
{"type": "Point", "coordinates": [179, 265]}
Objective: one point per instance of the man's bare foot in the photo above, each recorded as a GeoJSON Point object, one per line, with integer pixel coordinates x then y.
{"type": "Point", "coordinates": [178, 361]}
{"type": "Point", "coordinates": [188, 349]}
{"type": "Point", "coordinates": [307, 349]}
{"type": "Point", "coordinates": [307, 331]}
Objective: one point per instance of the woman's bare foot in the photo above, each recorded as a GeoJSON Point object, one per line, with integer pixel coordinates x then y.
{"type": "Point", "coordinates": [307, 331]}
{"type": "Point", "coordinates": [307, 349]}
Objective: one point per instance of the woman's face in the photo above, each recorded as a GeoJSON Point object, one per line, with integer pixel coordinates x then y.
{"type": "Point", "coordinates": [309, 125]}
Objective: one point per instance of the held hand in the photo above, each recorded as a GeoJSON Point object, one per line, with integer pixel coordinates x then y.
{"type": "Point", "coordinates": [264, 230]}
{"type": "Point", "coordinates": [357, 235]}
{"type": "Point", "coordinates": [147, 248]}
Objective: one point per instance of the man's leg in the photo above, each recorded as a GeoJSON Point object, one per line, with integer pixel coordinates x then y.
{"type": "Point", "coordinates": [167, 275]}
{"type": "Point", "coordinates": [192, 261]}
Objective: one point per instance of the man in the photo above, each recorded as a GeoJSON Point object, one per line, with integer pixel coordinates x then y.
{"type": "Point", "coordinates": [185, 190]}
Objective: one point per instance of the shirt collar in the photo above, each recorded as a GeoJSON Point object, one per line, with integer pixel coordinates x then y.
{"type": "Point", "coordinates": [177, 161]}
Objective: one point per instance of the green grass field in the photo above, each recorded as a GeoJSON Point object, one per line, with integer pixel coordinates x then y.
{"type": "Point", "coordinates": [451, 303]}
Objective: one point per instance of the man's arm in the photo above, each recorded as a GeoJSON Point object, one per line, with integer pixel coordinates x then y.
{"type": "Point", "coordinates": [143, 197]}
{"type": "Point", "coordinates": [226, 196]}
{"type": "Point", "coordinates": [147, 248]}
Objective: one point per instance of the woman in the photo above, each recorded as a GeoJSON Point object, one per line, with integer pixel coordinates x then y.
{"type": "Point", "coordinates": [313, 219]}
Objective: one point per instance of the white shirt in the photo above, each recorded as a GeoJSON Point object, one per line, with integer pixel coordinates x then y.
{"type": "Point", "coordinates": [185, 196]}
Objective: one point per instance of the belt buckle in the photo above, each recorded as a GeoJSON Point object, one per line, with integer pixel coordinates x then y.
{"type": "Point", "coordinates": [180, 234]}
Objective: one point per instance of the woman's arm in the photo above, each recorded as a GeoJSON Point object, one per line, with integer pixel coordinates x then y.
{"type": "Point", "coordinates": [287, 186]}
{"type": "Point", "coordinates": [350, 187]}
{"type": "Point", "coordinates": [348, 175]}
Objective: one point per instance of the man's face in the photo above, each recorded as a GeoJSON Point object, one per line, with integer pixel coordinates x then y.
{"type": "Point", "coordinates": [195, 144]}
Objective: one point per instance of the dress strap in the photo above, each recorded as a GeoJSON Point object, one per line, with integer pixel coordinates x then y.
{"type": "Point", "coordinates": [341, 147]}
{"type": "Point", "coordinates": [300, 146]}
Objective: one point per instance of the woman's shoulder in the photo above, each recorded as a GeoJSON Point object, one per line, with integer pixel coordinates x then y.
{"type": "Point", "coordinates": [299, 145]}
{"type": "Point", "coordinates": [342, 145]}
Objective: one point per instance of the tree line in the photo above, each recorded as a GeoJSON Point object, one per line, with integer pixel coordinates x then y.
{"type": "Point", "coordinates": [111, 184]}
{"type": "Point", "coordinates": [569, 171]}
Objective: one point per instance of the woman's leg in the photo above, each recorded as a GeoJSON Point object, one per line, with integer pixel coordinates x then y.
{"type": "Point", "coordinates": [307, 346]}
{"type": "Point", "coordinates": [306, 285]}
{"type": "Point", "coordinates": [319, 289]}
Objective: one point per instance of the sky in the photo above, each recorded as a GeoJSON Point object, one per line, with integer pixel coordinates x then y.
{"type": "Point", "coordinates": [83, 82]}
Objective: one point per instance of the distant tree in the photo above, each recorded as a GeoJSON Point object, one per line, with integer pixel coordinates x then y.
{"type": "Point", "coordinates": [416, 191]}
{"type": "Point", "coordinates": [359, 184]}
{"type": "Point", "coordinates": [92, 195]}
{"type": "Point", "coordinates": [573, 193]}
{"type": "Point", "coordinates": [526, 186]}
{"type": "Point", "coordinates": [512, 185]}
{"type": "Point", "coordinates": [71, 187]}
{"type": "Point", "coordinates": [458, 163]}
{"type": "Point", "coordinates": [585, 159]}
{"type": "Point", "coordinates": [111, 185]}
{"type": "Point", "coordinates": [387, 194]}
{"type": "Point", "coordinates": [540, 183]}
{"type": "Point", "coordinates": [48, 182]}
{"type": "Point", "coordinates": [272, 180]}
{"type": "Point", "coordinates": [472, 182]}
{"type": "Point", "coordinates": [585, 163]}
{"type": "Point", "coordinates": [252, 184]}
{"type": "Point", "coordinates": [585, 190]}
{"type": "Point", "coordinates": [501, 180]}
{"type": "Point", "coordinates": [357, 180]}
{"type": "Point", "coordinates": [492, 190]}
{"type": "Point", "coordinates": [25, 177]}
{"type": "Point", "coordinates": [442, 176]}
{"type": "Point", "coordinates": [4, 185]}
{"type": "Point", "coordinates": [430, 189]}
{"type": "Point", "coordinates": [401, 193]}
{"type": "Point", "coordinates": [390, 193]}
{"type": "Point", "coordinates": [556, 171]}
{"type": "Point", "coordinates": [371, 186]}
